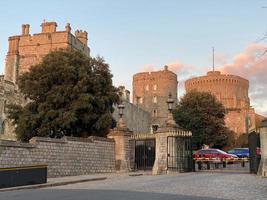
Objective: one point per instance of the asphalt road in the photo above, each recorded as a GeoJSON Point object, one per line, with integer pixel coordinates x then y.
{"type": "Point", "coordinates": [186, 186]}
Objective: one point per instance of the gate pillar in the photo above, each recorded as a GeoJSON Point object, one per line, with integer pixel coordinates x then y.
{"type": "Point", "coordinates": [263, 138]}
{"type": "Point", "coordinates": [121, 136]}
{"type": "Point", "coordinates": [160, 164]}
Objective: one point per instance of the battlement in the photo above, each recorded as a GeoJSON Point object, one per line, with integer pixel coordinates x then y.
{"type": "Point", "coordinates": [25, 50]}
{"type": "Point", "coordinates": [154, 75]}
{"type": "Point", "coordinates": [49, 27]}
{"type": "Point", "coordinates": [82, 36]}
{"type": "Point", "coordinates": [215, 77]}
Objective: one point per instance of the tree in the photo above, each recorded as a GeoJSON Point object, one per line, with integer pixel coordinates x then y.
{"type": "Point", "coordinates": [203, 115]}
{"type": "Point", "coordinates": [69, 94]}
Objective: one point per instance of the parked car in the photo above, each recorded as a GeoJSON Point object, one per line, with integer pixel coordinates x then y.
{"type": "Point", "coordinates": [213, 154]}
{"type": "Point", "coordinates": [240, 152]}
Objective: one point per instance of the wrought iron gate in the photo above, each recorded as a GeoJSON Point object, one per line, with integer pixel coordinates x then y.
{"type": "Point", "coordinates": [179, 155]}
{"type": "Point", "coordinates": [144, 154]}
{"type": "Point", "coordinates": [254, 154]}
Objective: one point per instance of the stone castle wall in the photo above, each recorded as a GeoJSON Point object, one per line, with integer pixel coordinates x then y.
{"type": "Point", "coordinates": [151, 90]}
{"type": "Point", "coordinates": [65, 157]}
{"type": "Point", "coordinates": [135, 118]}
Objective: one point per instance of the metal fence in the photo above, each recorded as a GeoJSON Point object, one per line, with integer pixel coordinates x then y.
{"type": "Point", "coordinates": [179, 155]}
{"type": "Point", "coordinates": [144, 154]}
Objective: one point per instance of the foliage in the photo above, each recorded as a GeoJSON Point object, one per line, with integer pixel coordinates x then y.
{"type": "Point", "coordinates": [242, 141]}
{"type": "Point", "coordinates": [203, 115]}
{"type": "Point", "coordinates": [70, 94]}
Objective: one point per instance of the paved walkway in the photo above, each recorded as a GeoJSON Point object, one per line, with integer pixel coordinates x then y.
{"type": "Point", "coordinates": [187, 186]}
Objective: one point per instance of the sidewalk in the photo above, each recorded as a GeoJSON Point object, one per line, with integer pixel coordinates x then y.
{"type": "Point", "coordinates": [51, 182]}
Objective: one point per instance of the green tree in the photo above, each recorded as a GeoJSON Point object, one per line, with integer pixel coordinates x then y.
{"type": "Point", "coordinates": [203, 115]}
{"type": "Point", "coordinates": [70, 94]}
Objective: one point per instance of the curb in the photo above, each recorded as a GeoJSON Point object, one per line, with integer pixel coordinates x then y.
{"type": "Point", "coordinates": [51, 184]}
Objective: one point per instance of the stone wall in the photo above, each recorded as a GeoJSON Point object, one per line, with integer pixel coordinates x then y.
{"type": "Point", "coordinates": [64, 157]}
{"type": "Point", "coordinates": [135, 118]}
{"type": "Point", "coordinates": [263, 138]}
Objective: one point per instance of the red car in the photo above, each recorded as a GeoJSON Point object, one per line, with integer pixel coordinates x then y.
{"type": "Point", "coordinates": [213, 154]}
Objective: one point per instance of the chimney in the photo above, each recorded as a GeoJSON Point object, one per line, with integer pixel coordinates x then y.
{"type": "Point", "coordinates": [68, 28]}
{"type": "Point", "coordinates": [23, 27]}
{"type": "Point", "coordinates": [49, 27]}
{"type": "Point", "coordinates": [82, 36]}
{"type": "Point", "coordinates": [27, 29]}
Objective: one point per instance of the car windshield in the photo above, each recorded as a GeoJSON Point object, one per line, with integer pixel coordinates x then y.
{"type": "Point", "coordinates": [220, 151]}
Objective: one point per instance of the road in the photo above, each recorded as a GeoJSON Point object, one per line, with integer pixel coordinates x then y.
{"type": "Point", "coordinates": [186, 186]}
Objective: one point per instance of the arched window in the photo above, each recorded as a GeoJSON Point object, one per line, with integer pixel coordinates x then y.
{"type": "Point", "coordinates": [147, 87]}
{"type": "Point", "coordinates": [154, 87]}
{"type": "Point", "coordinates": [155, 99]}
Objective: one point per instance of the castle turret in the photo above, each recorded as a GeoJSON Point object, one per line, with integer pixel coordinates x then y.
{"type": "Point", "coordinates": [82, 36]}
{"type": "Point", "coordinates": [12, 59]}
{"type": "Point", "coordinates": [49, 27]}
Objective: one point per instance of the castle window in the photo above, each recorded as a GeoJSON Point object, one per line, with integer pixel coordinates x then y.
{"type": "Point", "coordinates": [154, 99]}
{"type": "Point", "coordinates": [155, 87]}
{"type": "Point", "coordinates": [155, 113]}
{"type": "Point", "coordinates": [147, 87]}
{"type": "Point", "coordinates": [138, 100]}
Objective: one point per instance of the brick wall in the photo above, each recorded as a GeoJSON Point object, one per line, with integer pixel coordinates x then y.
{"type": "Point", "coordinates": [65, 157]}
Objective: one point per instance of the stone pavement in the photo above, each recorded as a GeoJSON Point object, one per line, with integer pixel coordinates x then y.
{"type": "Point", "coordinates": [187, 186]}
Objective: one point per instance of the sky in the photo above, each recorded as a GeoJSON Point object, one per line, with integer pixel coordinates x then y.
{"type": "Point", "coordinates": [145, 35]}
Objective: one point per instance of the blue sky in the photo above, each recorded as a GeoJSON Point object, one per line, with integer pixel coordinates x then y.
{"type": "Point", "coordinates": [134, 34]}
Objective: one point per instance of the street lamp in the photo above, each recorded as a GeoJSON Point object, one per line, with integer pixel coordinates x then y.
{"type": "Point", "coordinates": [121, 108]}
{"type": "Point", "coordinates": [170, 102]}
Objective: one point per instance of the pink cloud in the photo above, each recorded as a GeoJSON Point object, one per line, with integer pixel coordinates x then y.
{"type": "Point", "coordinates": [252, 65]}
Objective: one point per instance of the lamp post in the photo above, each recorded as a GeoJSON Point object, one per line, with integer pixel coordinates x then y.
{"type": "Point", "coordinates": [120, 123]}
{"type": "Point", "coordinates": [170, 101]}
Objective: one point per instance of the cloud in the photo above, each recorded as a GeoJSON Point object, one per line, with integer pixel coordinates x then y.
{"type": "Point", "coordinates": [147, 68]}
{"type": "Point", "coordinates": [252, 65]}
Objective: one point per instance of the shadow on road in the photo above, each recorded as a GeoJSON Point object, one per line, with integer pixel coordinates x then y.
{"type": "Point", "coordinates": [71, 194]}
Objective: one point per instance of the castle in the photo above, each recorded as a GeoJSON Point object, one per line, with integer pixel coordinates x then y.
{"type": "Point", "coordinates": [25, 50]}
{"type": "Point", "coordinates": [150, 89]}
{"type": "Point", "coordinates": [232, 92]}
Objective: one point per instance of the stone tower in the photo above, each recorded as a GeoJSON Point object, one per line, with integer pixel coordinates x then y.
{"type": "Point", "coordinates": [232, 92]}
{"type": "Point", "coordinates": [151, 90]}
{"type": "Point", "coordinates": [25, 50]}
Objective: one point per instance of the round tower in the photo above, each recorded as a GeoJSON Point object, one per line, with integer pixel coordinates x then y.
{"type": "Point", "coordinates": [232, 92]}
{"type": "Point", "coordinates": [151, 90]}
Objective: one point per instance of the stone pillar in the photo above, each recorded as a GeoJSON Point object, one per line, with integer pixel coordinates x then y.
{"type": "Point", "coordinates": [263, 138]}
{"type": "Point", "coordinates": [121, 136]}
{"type": "Point", "coordinates": [160, 164]}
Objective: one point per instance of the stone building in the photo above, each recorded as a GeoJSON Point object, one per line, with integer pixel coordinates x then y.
{"type": "Point", "coordinates": [232, 92]}
{"type": "Point", "coordinates": [25, 50]}
{"type": "Point", "coordinates": [151, 91]}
